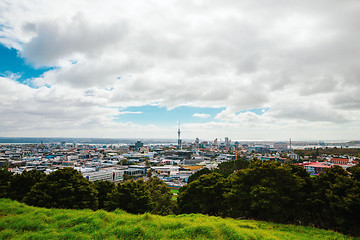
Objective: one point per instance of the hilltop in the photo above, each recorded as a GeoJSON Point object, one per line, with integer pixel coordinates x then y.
{"type": "Point", "coordinates": [18, 220]}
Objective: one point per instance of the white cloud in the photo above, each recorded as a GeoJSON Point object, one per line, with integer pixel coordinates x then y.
{"type": "Point", "coordinates": [63, 112]}
{"type": "Point", "coordinates": [58, 40]}
{"type": "Point", "coordinates": [129, 112]}
{"type": "Point", "coordinates": [299, 59]}
{"type": "Point", "coordinates": [201, 115]}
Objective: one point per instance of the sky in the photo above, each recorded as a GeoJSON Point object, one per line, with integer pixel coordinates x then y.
{"type": "Point", "coordinates": [244, 69]}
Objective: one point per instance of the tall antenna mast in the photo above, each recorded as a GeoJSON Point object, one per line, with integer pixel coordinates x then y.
{"type": "Point", "coordinates": [179, 140]}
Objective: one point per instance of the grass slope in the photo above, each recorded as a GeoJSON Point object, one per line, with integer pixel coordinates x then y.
{"type": "Point", "coordinates": [19, 221]}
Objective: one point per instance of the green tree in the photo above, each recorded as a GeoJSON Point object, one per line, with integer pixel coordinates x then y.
{"type": "Point", "coordinates": [198, 174]}
{"type": "Point", "coordinates": [149, 173]}
{"type": "Point", "coordinates": [126, 177]}
{"type": "Point", "coordinates": [229, 167]}
{"type": "Point", "coordinates": [5, 180]}
{"type": "Point", "coordinates": [355, 172]}
{"type": "Point", "coordinates": [131, 196]}
{"type": "Point", "coordinates": [64, 188]}
{"type": "Point", "coordinates": [336, 201]}
{"type": "Point", "coordinates": [104, 189]}
{"type": "Point", "coordinates": [124, 162]}
{"type": "Point", "coordinates": [205, 195]}
{"type": "Point", "coordinates": [353, 217]}
{"type": "Point", "coordinates": [161, 197]}
{"type": "Point", "coordinates": [21, 184]}
{"type": "Point", "coordinates": [268, 191]}
{"type": "Point", "coordinates": [147, 163]}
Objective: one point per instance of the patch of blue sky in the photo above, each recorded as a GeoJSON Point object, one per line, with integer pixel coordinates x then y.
{"type": "Point", "coordinates": [11, 63]}
{"type": "Point", "coordinates": [2, 27]}
{"type": "Point", "coordinates": [149, 114]}
{"type": "Point", "coordinates": [109, 89]}
{"type": "Point", "coordinates": [73, 61]}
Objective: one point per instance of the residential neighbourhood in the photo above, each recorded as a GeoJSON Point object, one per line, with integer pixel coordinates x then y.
{"type": "Point", "coordinates": [173, 163]}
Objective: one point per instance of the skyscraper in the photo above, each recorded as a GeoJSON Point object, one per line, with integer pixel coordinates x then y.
{"type": "Point", "coordinates": [227, 142]}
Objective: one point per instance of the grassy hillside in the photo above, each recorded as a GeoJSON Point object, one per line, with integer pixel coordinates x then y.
{"type": "Point", "coordinates": [19, 221]}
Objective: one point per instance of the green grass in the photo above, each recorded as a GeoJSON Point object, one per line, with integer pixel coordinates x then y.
{"type": "Point", "coordinates": [18, 221]}
{"type": "Point", "coordinates": [175, 191]}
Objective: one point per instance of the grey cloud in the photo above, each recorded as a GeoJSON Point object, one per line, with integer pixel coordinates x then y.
{"type": "Point", "coordinates": [29, 27]}
{"type": "Point", "coordinates": [306, 112]}
{"type": "Point", "coordinates": [162, 45]}
{"type": "Point", "coordinates": [347, 100]}
{"type": "Point", "coordinates": [57, 39]}
{"type": "Point", "coordinates": [28, 108]}
{"type": "Point", "coordinates": [316, 86]}
{"type": "Point", "coordinates": [300, 58]}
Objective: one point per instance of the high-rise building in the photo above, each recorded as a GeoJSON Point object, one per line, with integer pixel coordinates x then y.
{"type": "Point", "coordinates": [138, 145]}
{"type": "Point", "coordinates": [215, 142]}
{"type": "Point", "coordinates": [227, 142]}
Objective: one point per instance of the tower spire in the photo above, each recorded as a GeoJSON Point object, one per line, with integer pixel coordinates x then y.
{"type": "Point", "coordinates": [179, 139]}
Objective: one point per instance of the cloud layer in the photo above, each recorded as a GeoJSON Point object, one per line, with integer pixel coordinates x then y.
{"type": "Point", "coordinates": [298, 59]}
{"type": "Point", "coordinates": [201, 115]}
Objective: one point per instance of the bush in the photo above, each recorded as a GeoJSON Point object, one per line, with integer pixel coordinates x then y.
{"type": "Point", "coordinates": [5, 180]}
{"type": "Point", "coordinates": [131, 196]}
{"type": "Point", "coordinates": [21, 184]}
{"type": "Point", "coordinates": [64, 188]}
{"type": "Point", "coordinates": [269, 191]}
{"type": "Point", "coordinates": [205, 195]}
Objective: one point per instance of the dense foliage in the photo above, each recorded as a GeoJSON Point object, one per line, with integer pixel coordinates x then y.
{"type": "Point", "coordinates": [280, 193]}
{"type": "Point", "coordinates": [161, 197]}
{"type": "Point", "coordinates": [198, 174]}
{"type": "Point", "coordinates": [336, 201]}
{"type": "Point", "coordinates": [104, 188]}
{"type": "Point", "coordinates": [139, 197]}
{"type": "Point", "coordinates": [67, 188]}
{"type": "Point", "coordinates": [260, 190]}
{"type": "Point", "coordinates": [64, 188]}
{"type": "Point", "coordinates": [329, 151]}
{"type": "Point", "coordinates": [21, 184]}
{"type": "Point", "coordinates": [131, 196]}
{"type": "Point", "coordinates": [267, 191]}
{"type": "Point", "coordinates": [205, 195]}
{"type": "Point", "coordinates": [225, 169]}
{"type": "Point", "coordinates": [5, 181]}
{"type": "Point", "coordinates": [228, 167]}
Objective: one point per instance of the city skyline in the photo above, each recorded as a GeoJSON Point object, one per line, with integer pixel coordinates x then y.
{"type": "Point", "coordinates": [264, 70]}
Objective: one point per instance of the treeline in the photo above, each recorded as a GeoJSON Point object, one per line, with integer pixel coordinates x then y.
{"type": "Point", "coordinates": [67, 188]}
{"type": "Point", "coordinates": [265, 191]}
{"type": "Point", "coordinates": [225, 169]}
{"type": "Point", "coordinates": [285, 193]}
{"type": "Point", "coordinates": [329, 151]}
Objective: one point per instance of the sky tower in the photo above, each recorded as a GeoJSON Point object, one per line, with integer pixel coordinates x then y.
{"type": "Point", "coordinates": [179, 140]}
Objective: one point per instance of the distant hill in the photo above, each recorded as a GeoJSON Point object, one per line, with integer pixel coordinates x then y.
{"type": "Point", "coordinates": [21, 221]}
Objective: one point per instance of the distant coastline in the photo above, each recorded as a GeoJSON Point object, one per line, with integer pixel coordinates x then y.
{"type": "Point", "coordinates": [150, 141]}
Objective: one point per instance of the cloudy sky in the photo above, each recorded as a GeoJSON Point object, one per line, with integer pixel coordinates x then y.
{"type": "Point", "coordinates": [245, 69]}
